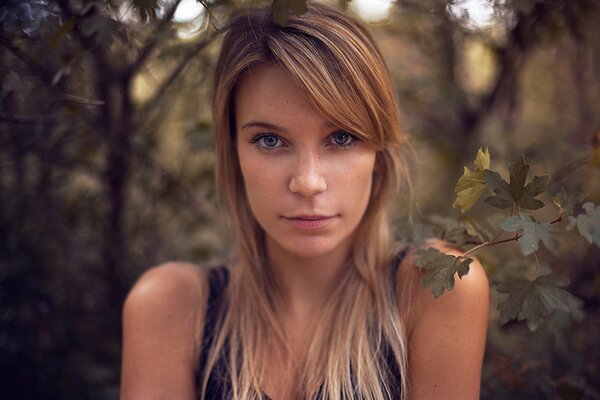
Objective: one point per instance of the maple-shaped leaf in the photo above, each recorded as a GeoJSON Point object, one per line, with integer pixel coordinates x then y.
{"type": "Point", "coordinates": [533, 232]}
{"type": "Point", "coordinates": [588, 225]}
{"type": "Point", "coordinates": [471, 184]}
{"type": "Point", "coordinates": [516, 192]}
{"type": "Point", "coordinates": [442, 268]}
{"type": "Point", "coordinates": [566, 203]}
{"type": "Point", "coordinates": [282, 8]}
{"type": "Point", "coordinates": [533, 300]}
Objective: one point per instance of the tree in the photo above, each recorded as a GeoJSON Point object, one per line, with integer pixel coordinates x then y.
{"type": "Point", "coordinates": [106, 168]}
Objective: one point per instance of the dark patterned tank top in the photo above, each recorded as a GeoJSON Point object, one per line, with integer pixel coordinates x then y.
{"type": "Point", "coordinates": [219, 385]}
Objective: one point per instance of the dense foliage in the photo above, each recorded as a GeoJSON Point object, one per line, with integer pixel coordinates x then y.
{"type": "Point", "coordinates": [106, 168]}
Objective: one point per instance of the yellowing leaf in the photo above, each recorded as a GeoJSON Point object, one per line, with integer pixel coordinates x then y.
{"type": "Point", "coordinates": [471, 185]}
{"type": "Point", "coordinates": [482, 159]}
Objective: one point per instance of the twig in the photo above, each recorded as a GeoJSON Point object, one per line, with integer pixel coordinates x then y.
{"type": "Point", "coordinates": [82, 100]}
{"type": "Point", "coordinates": [562, 172]}
{"type": "Point", "coordinates": [177, 71]}
{"type": "Point", "coordinates": [151, 45]}
{"type": "Point", "coordinates": [491, 243]}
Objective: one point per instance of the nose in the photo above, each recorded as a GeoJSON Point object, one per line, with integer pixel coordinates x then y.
{"type": "Point", "coordinates": [307, 178]}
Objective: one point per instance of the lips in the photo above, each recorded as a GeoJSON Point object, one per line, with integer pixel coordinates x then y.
{"type": "Point", "coordinates": [310, 222]}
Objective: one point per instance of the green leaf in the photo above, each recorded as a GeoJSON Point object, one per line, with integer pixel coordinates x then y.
{"type": "Point", "coordinates": [588, 225]}
{"type": "Point", "coordinates": [533, 232]}
{"type": "Point", "coordinates": [471, 185]}
{"type": "Point", "coordinates": [516, 192]}
{"type": "Point", "coordinates": [533, 300]}
{"type": "Point", "coordinates": [449, 229]}
{"type": "Point", "coordinates": [442, 268]}
{"type": "Point", "coordinates": [282, 8]}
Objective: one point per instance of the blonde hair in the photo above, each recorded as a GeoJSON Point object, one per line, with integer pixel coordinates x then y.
{"type": "Point", "coordinates": [335, 61]}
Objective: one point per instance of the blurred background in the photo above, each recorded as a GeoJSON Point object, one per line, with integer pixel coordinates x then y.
{"type": "Point", "coordinates": [107, 166]}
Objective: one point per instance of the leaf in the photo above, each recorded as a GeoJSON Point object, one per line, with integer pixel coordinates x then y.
{"type": "Point", "coordinates": [449, 229]}
{"type": "Point", "coordinates": [588, 225]}
{"type": "Point", "coordinates": [566, 204]}
{"type": "Point", "coordinates": [533, 300]}
{"type": "Point", "coordinates": [442, 269]}
{"type": "Point", "coordinates": [483, 231]}
{"type": "Point", "coordinates": [146, 8]}
{"type": "Point", "coordinates": [516, 192]}
{"type": "Point", "coordinates": [471, 185]}
{"type": "Point", "coordinates": [102, 28]}
{"type": "Point", "coordinates": [281, 9]}
{"type": "Point", "coordinates": [533, 232]}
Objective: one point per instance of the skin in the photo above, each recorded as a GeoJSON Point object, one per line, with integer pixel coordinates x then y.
{"type": "Point", "coordinates": [293, 166]}
{"type": "Point", "coordinates": [311, 169]}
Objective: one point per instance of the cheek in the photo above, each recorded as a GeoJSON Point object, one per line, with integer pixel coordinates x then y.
{"type": "Point", "coordinates": [261, 182]}
{"type": "Point", "coordinates": [356, 177]}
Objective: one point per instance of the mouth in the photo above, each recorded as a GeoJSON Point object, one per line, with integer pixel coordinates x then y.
{"type": "Point", "coordinates": [310, 222]}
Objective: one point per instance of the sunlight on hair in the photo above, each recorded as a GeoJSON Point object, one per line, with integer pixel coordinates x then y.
{"type": "Point", "coordinates": [372, 10]}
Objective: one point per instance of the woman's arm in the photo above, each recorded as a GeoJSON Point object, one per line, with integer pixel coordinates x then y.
{"type": "Point", "coordinates": [161, 318]}
{"type": "Point", "coordinates": [447, 336]}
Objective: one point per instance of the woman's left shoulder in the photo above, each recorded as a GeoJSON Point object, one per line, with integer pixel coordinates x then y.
{"type": "Point", "coordinates": [447, 331]}
{"type": "Point", "coordinates": [470, 296]}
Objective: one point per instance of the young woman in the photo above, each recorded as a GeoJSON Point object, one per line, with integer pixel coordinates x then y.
{"type": "Point", "coordinates": [317, 303]}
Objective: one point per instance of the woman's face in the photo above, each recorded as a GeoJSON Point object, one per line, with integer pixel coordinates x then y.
{"type": "Point", "coordinates": [307, 181]}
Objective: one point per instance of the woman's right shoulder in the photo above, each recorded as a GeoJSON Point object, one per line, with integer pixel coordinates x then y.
{"type": "Point", "coordinates": [170, 284]}
{"type": "Point", "coordinates": [173, 289]}
{"type": "Point", "coordinates": [163, 317]}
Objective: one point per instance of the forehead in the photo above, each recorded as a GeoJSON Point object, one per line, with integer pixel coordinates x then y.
{"type": "Point", "coordinates": [268, 92]}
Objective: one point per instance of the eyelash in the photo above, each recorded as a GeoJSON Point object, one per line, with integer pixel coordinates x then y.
{"type": "Point", "coordinates": [260, 136]}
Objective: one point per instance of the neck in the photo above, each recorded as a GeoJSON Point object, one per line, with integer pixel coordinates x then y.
{"type": "Point", "coordinates": [305, 284]}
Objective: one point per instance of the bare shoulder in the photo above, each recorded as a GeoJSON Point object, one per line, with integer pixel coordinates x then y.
{"type": "Point", "coordinates": [162, 317]}
{"type": "Point", "coordinates": [472, 287]}
{"type": "Point", "coordinates": [168, 283]}
{"type": "Point", "coordinates": [447, 334]}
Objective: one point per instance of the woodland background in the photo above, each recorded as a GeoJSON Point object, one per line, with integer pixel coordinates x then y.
{"type": "Point", "coordinates": [106, 168]}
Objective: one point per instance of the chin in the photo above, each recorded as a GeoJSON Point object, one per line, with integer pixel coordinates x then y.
{"type": "Point", "coordinates": [314, 247]}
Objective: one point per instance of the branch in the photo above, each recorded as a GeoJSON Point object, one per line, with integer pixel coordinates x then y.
{"type": "Point", "coordinates": [512, 58]}
{"type": "Point", "coordinates": [183, 63]}
{"type": "Point", "coordinates": [81, 100]}
{"type": "Point", "coordinates": [35, 66]}
{"type": "Point", "coordinates": [151, 45]}
{"type": "Point", "coordinates": [22, 119]}
{"type": "Point", "coordinates": [562, 172]}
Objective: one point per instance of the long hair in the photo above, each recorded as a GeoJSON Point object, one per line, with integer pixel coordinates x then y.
{"type": "Point", "coordinates": [334, 60]}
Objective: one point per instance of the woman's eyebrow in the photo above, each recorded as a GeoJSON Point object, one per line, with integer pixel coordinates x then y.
{"type": "Point", "coordinates": [264, 125]}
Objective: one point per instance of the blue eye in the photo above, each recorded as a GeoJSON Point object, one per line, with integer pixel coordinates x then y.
{"type": "Point", "coordinates": [267, 141]}
{"type": "Point", "coordinates": [342, 139]}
